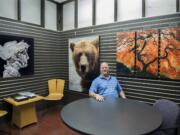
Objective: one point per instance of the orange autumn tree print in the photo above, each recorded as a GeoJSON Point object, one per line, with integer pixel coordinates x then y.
{"type": "Point", "coordinates": [150, 53]}
{"type": "Point", "coordinates": [147, 53]}
{"type": "Point", "coordinates": [125, 52]}
{"type": "Point", "coordinates": [170, 53]}
{"type": "Point", "coordinates": [137, 53]}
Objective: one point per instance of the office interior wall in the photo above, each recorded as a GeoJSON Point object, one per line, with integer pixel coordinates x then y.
{"type": "Point", "coordinates": [68, 16]}
{"type": "Point", "coordinates": [8, 9]}
{"type": "Point", "coordinates": [131, 11]}
{"type": "Point", "coordinates": [84, 13]}
{"type": "Point", "coordinates": [160, 7]}
{"type": "Point", "coordinates": [51, 58]}
{"type": "Point", "coordinates": [50, 15]}
{"type": "Point", "coordinates": [146, 90]}
{"type": "Point", "coordinates": [31, 11]}
{"type": "Point", "coordinates": [104, 16]}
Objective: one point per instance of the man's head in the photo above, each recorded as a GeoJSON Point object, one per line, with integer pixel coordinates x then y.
{"type": "Point", "coordinates": [104, 69]}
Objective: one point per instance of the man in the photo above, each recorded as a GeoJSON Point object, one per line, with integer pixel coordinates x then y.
{"type": "Point", "coordinates": [105, 85]}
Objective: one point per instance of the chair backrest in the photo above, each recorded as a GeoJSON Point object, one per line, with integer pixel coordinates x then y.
{"type": "Point", "coordinates": [52, 86]}
{"type": "Point", "coordinates": [170, 113]}
{"type": "Point", "coordinates": [2, 113]}
{"type": "Point", "coordinates": [56, 86]}
{"type": "Point", "coordinates": [60, 86]}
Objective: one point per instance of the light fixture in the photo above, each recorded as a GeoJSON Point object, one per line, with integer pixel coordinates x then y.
{"type": "Point", "coordinates": [60, 1]}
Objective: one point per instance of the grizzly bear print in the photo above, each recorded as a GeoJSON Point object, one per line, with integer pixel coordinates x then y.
{"type": "Point", "coordinates": [85, 55]}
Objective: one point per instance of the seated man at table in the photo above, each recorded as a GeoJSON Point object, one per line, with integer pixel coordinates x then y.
{"type": "Point", "coordinates": [105, 85]}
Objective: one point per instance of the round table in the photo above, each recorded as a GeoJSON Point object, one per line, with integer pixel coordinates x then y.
{"type": "Point", "coordinates": [114, 116]}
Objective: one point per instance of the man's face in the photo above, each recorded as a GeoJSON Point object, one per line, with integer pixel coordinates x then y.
{"type": "Point", "coordinates": [104, 69]}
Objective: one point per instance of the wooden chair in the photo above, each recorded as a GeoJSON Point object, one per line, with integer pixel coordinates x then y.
{"type": "Point", "coordinates": [56, 89]}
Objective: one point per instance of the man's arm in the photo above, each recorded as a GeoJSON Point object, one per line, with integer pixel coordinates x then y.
{"type": "Point", "coordinates": [122, 94]}
{"type": "Point", "coordinates": [96, 96]}
{"type": "Point", "coordinates": [93, 90]}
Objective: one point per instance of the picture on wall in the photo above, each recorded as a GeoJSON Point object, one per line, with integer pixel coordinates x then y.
{"type": "Point", "coordinates": [16, 56]}
{"type": "Point", "coordinates": [125, 53]}
{"type": "Point", "coordinates": [83, 62]}
{"type": "Point", "coordinates": [170, 53]}
{"type": "Point", "coordinates": [147, 54]}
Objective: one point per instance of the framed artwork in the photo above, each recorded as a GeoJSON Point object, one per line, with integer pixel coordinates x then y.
{"type": "Point", "coordinates": [16, 56]}
{"type": "Point", "coordinates": [83, 62]}
{"type": "Point", "coordinates": [147, 54]}
{"type": "Point", "coordinates": [170, 53]}
{"type": "Point", "coordinates": [125, 53]}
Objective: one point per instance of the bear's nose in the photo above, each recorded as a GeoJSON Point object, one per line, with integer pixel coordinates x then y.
{"type": "Point", "coordinates": [83, 68]}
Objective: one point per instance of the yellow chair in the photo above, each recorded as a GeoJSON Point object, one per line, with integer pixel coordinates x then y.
{"type": "Point", "coordinates": [2, 113]}
{"type": "Point", "coordinates": [56, 89]}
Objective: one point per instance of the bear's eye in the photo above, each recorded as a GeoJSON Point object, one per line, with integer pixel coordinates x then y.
{"type": "Point", "coordinates": [90, 57]}
{"type": "Point", "coordinates": [79, 55]}
{"type": "Point", "coordinates": [87, 55]}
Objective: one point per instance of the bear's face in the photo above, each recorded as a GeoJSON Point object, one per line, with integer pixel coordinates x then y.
{"type": "Point", "coordinates": [85, 55]}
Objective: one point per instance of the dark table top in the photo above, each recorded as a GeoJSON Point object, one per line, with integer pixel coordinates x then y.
{"type": "Point", "coordinates": [114, 116]}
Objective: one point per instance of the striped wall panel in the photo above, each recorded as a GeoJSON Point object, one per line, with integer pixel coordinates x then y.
{"type": "Point", "coordinates": [49, 59]}
{"type": "Point", "coordinates": [146, 90]}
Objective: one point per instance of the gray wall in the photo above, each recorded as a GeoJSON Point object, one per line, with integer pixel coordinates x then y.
{"type": "Point", "coordinates": [51, 58]}
{"type": "Point", "coordinates": [146, 90]}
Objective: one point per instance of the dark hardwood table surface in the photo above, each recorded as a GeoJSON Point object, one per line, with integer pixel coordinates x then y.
{"type": "Point", "coordinates": [114, 116]}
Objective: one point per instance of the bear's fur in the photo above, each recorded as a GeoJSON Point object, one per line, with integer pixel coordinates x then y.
{"type": "Point", "coordinates": [85, 55]}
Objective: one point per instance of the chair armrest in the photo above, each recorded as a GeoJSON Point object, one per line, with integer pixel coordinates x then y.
{"type": "Point", "coordinates": [167, 128]}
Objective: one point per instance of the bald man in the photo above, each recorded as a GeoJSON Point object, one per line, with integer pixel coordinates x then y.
{"type": "Point", "coordinates": [105, 85]}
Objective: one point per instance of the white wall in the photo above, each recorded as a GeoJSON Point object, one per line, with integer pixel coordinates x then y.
{"type": "Point", "coordinates": [50, 15]}
{"type": "Point", "coordinates": [8, 8]}
{"type": "Point", "coordinates": [31, 11]}
{"type": "Point", "coordinates": [68, 16]}
{"type": "Point", "coordinates": [159, 7]}
{"type": "Point", "coordinates": [84, 13]}
{"type": "Point", "coordinates": [129, 9]}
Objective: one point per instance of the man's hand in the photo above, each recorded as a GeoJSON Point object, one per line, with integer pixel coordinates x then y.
{"type": "Point", "coordinates": [96, 96]}
{"type": "Point", "coordinates": [99, 98]}
{"type": "Point", "coordinates": [122, 94]}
